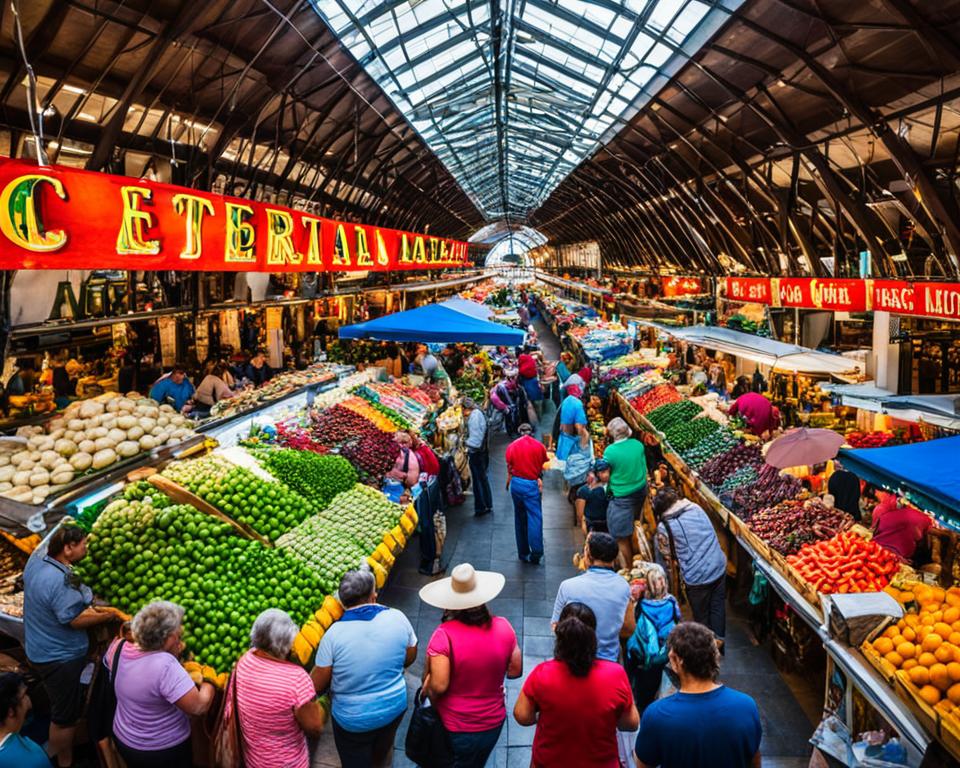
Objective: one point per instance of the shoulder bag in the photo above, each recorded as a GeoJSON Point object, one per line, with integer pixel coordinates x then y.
{"type": "Point", "coordinates": [428, 741]}
{"type": "Point", "coordinates": [103, 699]}
{"type": "Point", "coordinates": [227, 742]}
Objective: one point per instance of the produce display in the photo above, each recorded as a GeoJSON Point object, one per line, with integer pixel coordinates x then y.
{"type": "Point", "coordinates": [655, 398]}
{"type": "Point", "coordinates": [281, 384]}
{"type": "Point", "coordinates": [671, 414]}
{"type": "Point", "coordinates": [326, 549]}
{"type": "Point", "coordinates": [845, 563]}
{"type": "Point", "coordinates": [268, 508]}
{"type": "Point", "coordinates": [471, 387]}
{"type": "Point", "coordinates": [89, 436]}
{"type": "Point", "coordinates": [870, 439]}
{"type": "Point", "coordinates": [794, 523]}
{"type": "Point", "coordinates": [318, 479]}
{"type": "Point", "coordinates": [365, 513]}
{"type": "Point", "coordinates": [370, 449]}
{"type": "Point", "coordinates": [713, 445]}
{"type": "Point", "coordinates": [717, 469]}
{"type": "Point", "coordinates": [409, 404]}
{"type": "Point", "coordinates": [139, 552]}
{"type": "Point", "coordinates": [770, 487]}
{"type": "Point", "coordinates": [684, 435]}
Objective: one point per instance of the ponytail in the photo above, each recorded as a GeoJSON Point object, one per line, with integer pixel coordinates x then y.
{"type": "Point", "coordinates": [576, 641]}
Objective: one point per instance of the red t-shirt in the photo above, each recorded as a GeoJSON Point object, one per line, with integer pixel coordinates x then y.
{"type": "Point", "coordinates": [899, 530]}
{"type": "Point", "coordinates": [577, 721]}
{"type": "Point", "coordinates": [429, 462]}
{"type": "Point", "coordinates": [527, 366]}
{"type": "Point", "coordinates": [525, 458]}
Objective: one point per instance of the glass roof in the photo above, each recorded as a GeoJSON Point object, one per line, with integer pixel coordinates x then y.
{"type": "Point", "coordinates": [511, 103]}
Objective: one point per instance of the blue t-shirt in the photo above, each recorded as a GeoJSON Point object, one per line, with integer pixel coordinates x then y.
{"type": "Point", "coordinates": [168, 388]}
{"type": "Point", "coordinates": [18, 751]}
{"type": "Point", "coordinates": [367, 690]}
{"type": "Point", "coordinates": [571, 411]}
{"type": "Point", "coordinates": [52, 598]}
{"type": "Point", "coordinates": [607, 594]}
{"type": "Point", "coordinates": [719, 729]}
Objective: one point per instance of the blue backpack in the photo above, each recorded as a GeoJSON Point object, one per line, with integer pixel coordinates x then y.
{"type": "Point", "coordinates": [647, 646]}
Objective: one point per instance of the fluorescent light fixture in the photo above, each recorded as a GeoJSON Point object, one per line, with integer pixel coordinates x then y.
{"type": "Point", "coordinates": [73, 89]}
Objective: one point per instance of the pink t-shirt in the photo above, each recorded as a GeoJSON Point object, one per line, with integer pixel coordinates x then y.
{"type": "Point", "coordinates": [268, 693]}
{"type": "Point", "coordinates": [481, 655]}
{"type": "Point", "coordinates": [149, 683]}
{"type": "Point", "coordinates": [756, 409]}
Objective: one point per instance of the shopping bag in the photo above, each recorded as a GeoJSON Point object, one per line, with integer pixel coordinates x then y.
{"type": "Point", "coordinates": [578, 464]}
{"type": "Point", "coordinates": [427, 742]}
{"type": "Point", "coordinates": [226, 744]}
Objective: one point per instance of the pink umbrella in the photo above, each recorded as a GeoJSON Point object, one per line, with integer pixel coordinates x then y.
{"type": "Point", "coordinates": [803, 446]}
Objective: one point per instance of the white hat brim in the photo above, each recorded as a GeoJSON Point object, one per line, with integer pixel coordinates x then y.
{"type": "Point", "coordinates": [441, 594]}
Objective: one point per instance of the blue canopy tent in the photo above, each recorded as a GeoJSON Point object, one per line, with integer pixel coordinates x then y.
{"type": "Point", "coordinates": [434, 323]}
{"type": "Point", "coordinates": [924, 472]}
{"type": "Point", "coordinates": [467, 307]}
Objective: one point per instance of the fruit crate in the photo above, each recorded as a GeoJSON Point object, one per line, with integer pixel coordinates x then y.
{"type": "Point", "coordinates": [928, 717]}
{"type": "Point", "coordinates": [802, 586]}
{"type": "Point", "coordinates": [886, 670]}
{"type": "Point", "coordinates": [949, 731]}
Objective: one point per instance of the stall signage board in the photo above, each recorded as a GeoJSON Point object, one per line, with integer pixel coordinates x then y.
{"type": "Point", "coordinates": [54, 217]}
{"type": "Point", "coordinates": [681, 286]}
{"type": "Point", "coordinates": [899, 297]}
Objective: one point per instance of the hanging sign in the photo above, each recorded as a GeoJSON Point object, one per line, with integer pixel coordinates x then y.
{"type": "Point", "coordinates": [924, 299]}
{"type": "Point", "coordinates": [838, 294]}
{"type": "Point", "coordinates": [749, 289]}
{"type": "Point", "coordinates": [53, 217]}
{"type": "Point", "coordinates": [681, 286]}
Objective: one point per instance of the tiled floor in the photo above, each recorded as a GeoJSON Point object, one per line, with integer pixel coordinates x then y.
{"type": "Point", "coordinates": [527, 602]}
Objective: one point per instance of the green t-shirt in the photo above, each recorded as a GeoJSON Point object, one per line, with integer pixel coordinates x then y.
{"type": "Point", "coordinates": [628, 467]}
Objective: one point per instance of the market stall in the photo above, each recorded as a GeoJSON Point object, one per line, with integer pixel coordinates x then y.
{"type": "Point", "coordinates": [434, 323]}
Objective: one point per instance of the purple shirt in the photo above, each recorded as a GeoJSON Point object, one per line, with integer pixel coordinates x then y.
{"type": "Point", "coordinates": [148, 685]}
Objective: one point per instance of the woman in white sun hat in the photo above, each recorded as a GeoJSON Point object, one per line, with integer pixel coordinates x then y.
{"type": "Point", "coordinates": [468, 657]}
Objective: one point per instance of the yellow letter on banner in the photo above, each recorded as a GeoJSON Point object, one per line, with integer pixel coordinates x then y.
{"type": "Point", "coordinates": [19, 220]}
{"type": "Point", "coordinates": [363, 251]}
{"type": "Point", "coordinates": [313, 239]}
{"type": "Point", "coordinates": [240, 235]}
{"type": "Point", "coordinates": [383, 258]}
{"type": "Point", "coordinates": [130, 239]}
{"type": "Point", "coordinates": [280, 248]}
{"type": "Point", "coordinates": [405, 257]}
{"type": "Point", "coordinates": [341, 248]}
{"type": "Point", "coordinates": [419, 250]}
{"type": "Point", "coordinates": [194, 207]}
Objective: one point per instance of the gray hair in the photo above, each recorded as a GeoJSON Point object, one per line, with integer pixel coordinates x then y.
{"type": "Point", "coordinates": [525, 429]}
{"type": "Point", "coordinates": [618, 428]}
{"type": "Point", "coordinates": [356, 586]}
{"type": "Point", "coordinates": [155, 622]}
{"type": "Point", "coordinates": [273, 632]}
{"type": "Point", "coordinates": [468, 404]}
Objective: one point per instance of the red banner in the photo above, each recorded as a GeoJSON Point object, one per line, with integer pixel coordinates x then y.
{"type": "Point", "coordinates": [925, 299]}
{"type": "Point", "coordinates": [838, 294]}
{"type": "Point", "coordinates": [749, 289]}
{"type": "Point", "coordinates": [681, 286]}
{"type": "Point", "coordinates": [53, 217]}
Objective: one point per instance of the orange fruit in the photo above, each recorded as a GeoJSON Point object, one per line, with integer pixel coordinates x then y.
{"type": "Point", "coordinates": [931, 642]}
{"type": "Point", "coordinates": [906, 597]}
{"type": "Point", "coordinates": [926, 659]}
{"type": "Point", "coordinates": [930, 694]}
{"type": "Point", "coordinates": [883, 645]}
{"type": "Point", "coordinates": [908, 634]}
{"type": "Point", "coordinates": [951, 615]}
{"type": "Point", "coordinates": [911, 619]}
{"type": "Point", "coordinates": [953, 597]}
{"type": "Point", "coordinates": [953, 693]}
{"type": "Point", "coordinates": [927, 619]}
{"type": "Point", "coordinates": [944, 630]}
{"type": "Point", "coordinates": [938, 594]}
{"type": "Point", "coordinates": [939, 676]}
{"type": "Point", "coordinates": [953, 669]}
{"type": "Point", "coordinates": [954, 638]}
{"type": "Point", "coordinates": [909, 664]}
{"type": "Point", "coordinates": [891, 631]}
{"type": "Point", "coordinates": [956, 626]}
{"type": "Point", "coordinates": [909, 650]}
{"type": "Point", "coordinates": [920, 676]}
{"type": "Point", "coordinates": [895, 658]}
{"type": "Point", "coordinates": [944, 653]}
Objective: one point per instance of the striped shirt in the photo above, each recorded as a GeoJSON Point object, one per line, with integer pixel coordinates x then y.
{"type": "Point", "coordinates": [268, 693]}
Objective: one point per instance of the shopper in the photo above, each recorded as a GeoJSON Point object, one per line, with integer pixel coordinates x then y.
{"type": "Point", "coordinates": [900, 527]}
{"type": "Point", "coordinates": [705, 724]}
{"type": "Point", "coordinates": [563, 368]}
{"type": "Point", "coordinates": [468, 657]}
{"type": "Point", "coordinates": [577, 700]}
{"type": "Point", "coordinates": [155, 695]}
{"type": "Point", "coordinates": [530, 381]}
{"type": "Point", "coordinates": [257, 372]}
{"type": "Point", "coordinates": [686, 536]}
{"type": "Point", "coordinates": [605, 592]}
{"type": "Point", "coordinates": [361, 659]}
{"type": "Point", "coordinates": [757, 411]}
{"type": "Point", "coordinates": [740, 387]}
{"type": "Point", "coordinates": [17, 751]}
{"type": "Point", "coordinates": [213, 388]}
{"type": "Point", "coordinates": [525, 459]}
{"type": "Point", "coordinates": [173, 389]}
{"type": "Point", "coordinates": [591, 500]}
{"type": "Point", "coordinates": [56, 614]}
{"type": "Point", "coordinates": [406, 468]}
{"type": "Point", "coordinates": [428, 363]}
{"type": "Point", "coordinates": [844, 486]}
{"type": "Point", "coordinates": [573, 436]}
{"type": "Point", "coordinates": [276, 703]}
{"type": "Point", "coordinates": [628, 485]}
{"type": "Point", "coordinates": [429, 463]}
{"type": "Point", "coordinates": [478, 457]}
{"type": "Point", "coordinates": [646, 652]}
{"type": "Point", "coordinates": [508, 398]}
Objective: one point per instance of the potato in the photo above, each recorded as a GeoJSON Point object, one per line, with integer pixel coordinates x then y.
{"type": "Point", "coordinates": [49, 459]}
{"type": "Point", "coordinates": [62, 476]}
{"type": "Point", "coordinates": [156, 431]}
{"type": "Point", "coordinates": [93, 421]}
{"type": "Point", "coordinates": [117, 435]}
{"type": "Point", "coordinates": [6, 474]}
{"type": "Point", "coordinates": [128, 448]}
{"type": "Point", "coordinates": [29, 432]}
{"type": "Point", "coordinates": [68, 434]}
{"type": "Point", "coordinates": [163, 421]}
{"type": "Point", "coordinates": [147, 442]}
{"type": "Point", "coordinates": [22, 477]}
{"type": "Point", "coordinates": [26, 465]}
{"type": "Point", "coordinates": [104, 458]}
{"type": "Point", "coordinates": [87, 446]}
{"type": "Point", "coordinates": [40, 493]}
{"type": "Point", "coordinates": [56, 434]}
{"type": "Point", "coordinates": [103, 443]}
{"type": "Point", "coordinates": [24, 497]}
{"type": "Point", "coordinates": [5, 487]}
{"type": "Point", "coordinates": [39, 477]}
{"type": "Point", "coordinates": [113, 406]}
{"type": "Point", "coordinates": [167, 408]}
{"type": "Point", "coordinates": [81, 461]}
{"type": "Point", "coordinates": [147, 423]}
{"type": "Point", "coordinates": [126, 404]}
{"type": "Point", "coordinates": [110, 422]}
{"type": "Point", "coordinates": [79, 437]}
{"type": "Point", "coordinates": [65, 447]}
{"type": "Point", "coordinates": [135, 432]}
{"type": "Point", "coordinates": [18, 457]}
{"type": "Point", "coordinates": [91, 408]}
{"type": "Point", "coordinates": [177, 420]}
{"type": "Point", "coordinates": [41, 443]}
{"type": "Point", "coordinates": [56, 423]}
{"type": "Point", "coordinates": [77, 425]}
{"type": "Point", "coordinates": [97, 432]}
{"type": "Point", "coordinates": [5, 460]}
{"type": "Point", "coordinates": [126, 422]}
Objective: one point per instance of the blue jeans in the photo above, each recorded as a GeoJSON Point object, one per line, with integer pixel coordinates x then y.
{"type": "Point", "coordinates": [471, 750]}
{"type": "Point", "coordinates": [482, 495]}
{"type": "Point", "coordinates": [527, 517]}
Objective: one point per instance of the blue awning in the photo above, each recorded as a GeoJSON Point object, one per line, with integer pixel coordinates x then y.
{"type": "Point", "coordinates": [924, 472]}
{"type": "Point", "coordinates": [434, 323]}
{"type": "Point", "coordinates": [467, 307]}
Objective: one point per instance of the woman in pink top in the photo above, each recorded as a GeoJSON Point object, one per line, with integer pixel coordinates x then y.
{"type": "Point", "coordinates": [276, 700]}
{"type": "Point", "coordinates": [407, 467]}
{"type": "Point", "coordinates": [155, 695]}
{"type": "Point", "coordinates": [468, 657]}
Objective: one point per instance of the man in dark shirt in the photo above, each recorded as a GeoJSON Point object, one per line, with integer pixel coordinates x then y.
{"type": "Point", "coordinates": [592, 498]}
{"type": "Point", "coordinates": [257, 371]}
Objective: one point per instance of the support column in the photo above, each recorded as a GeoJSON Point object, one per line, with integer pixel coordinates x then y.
{"type": "Point", "coordinates": [886, 356]}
